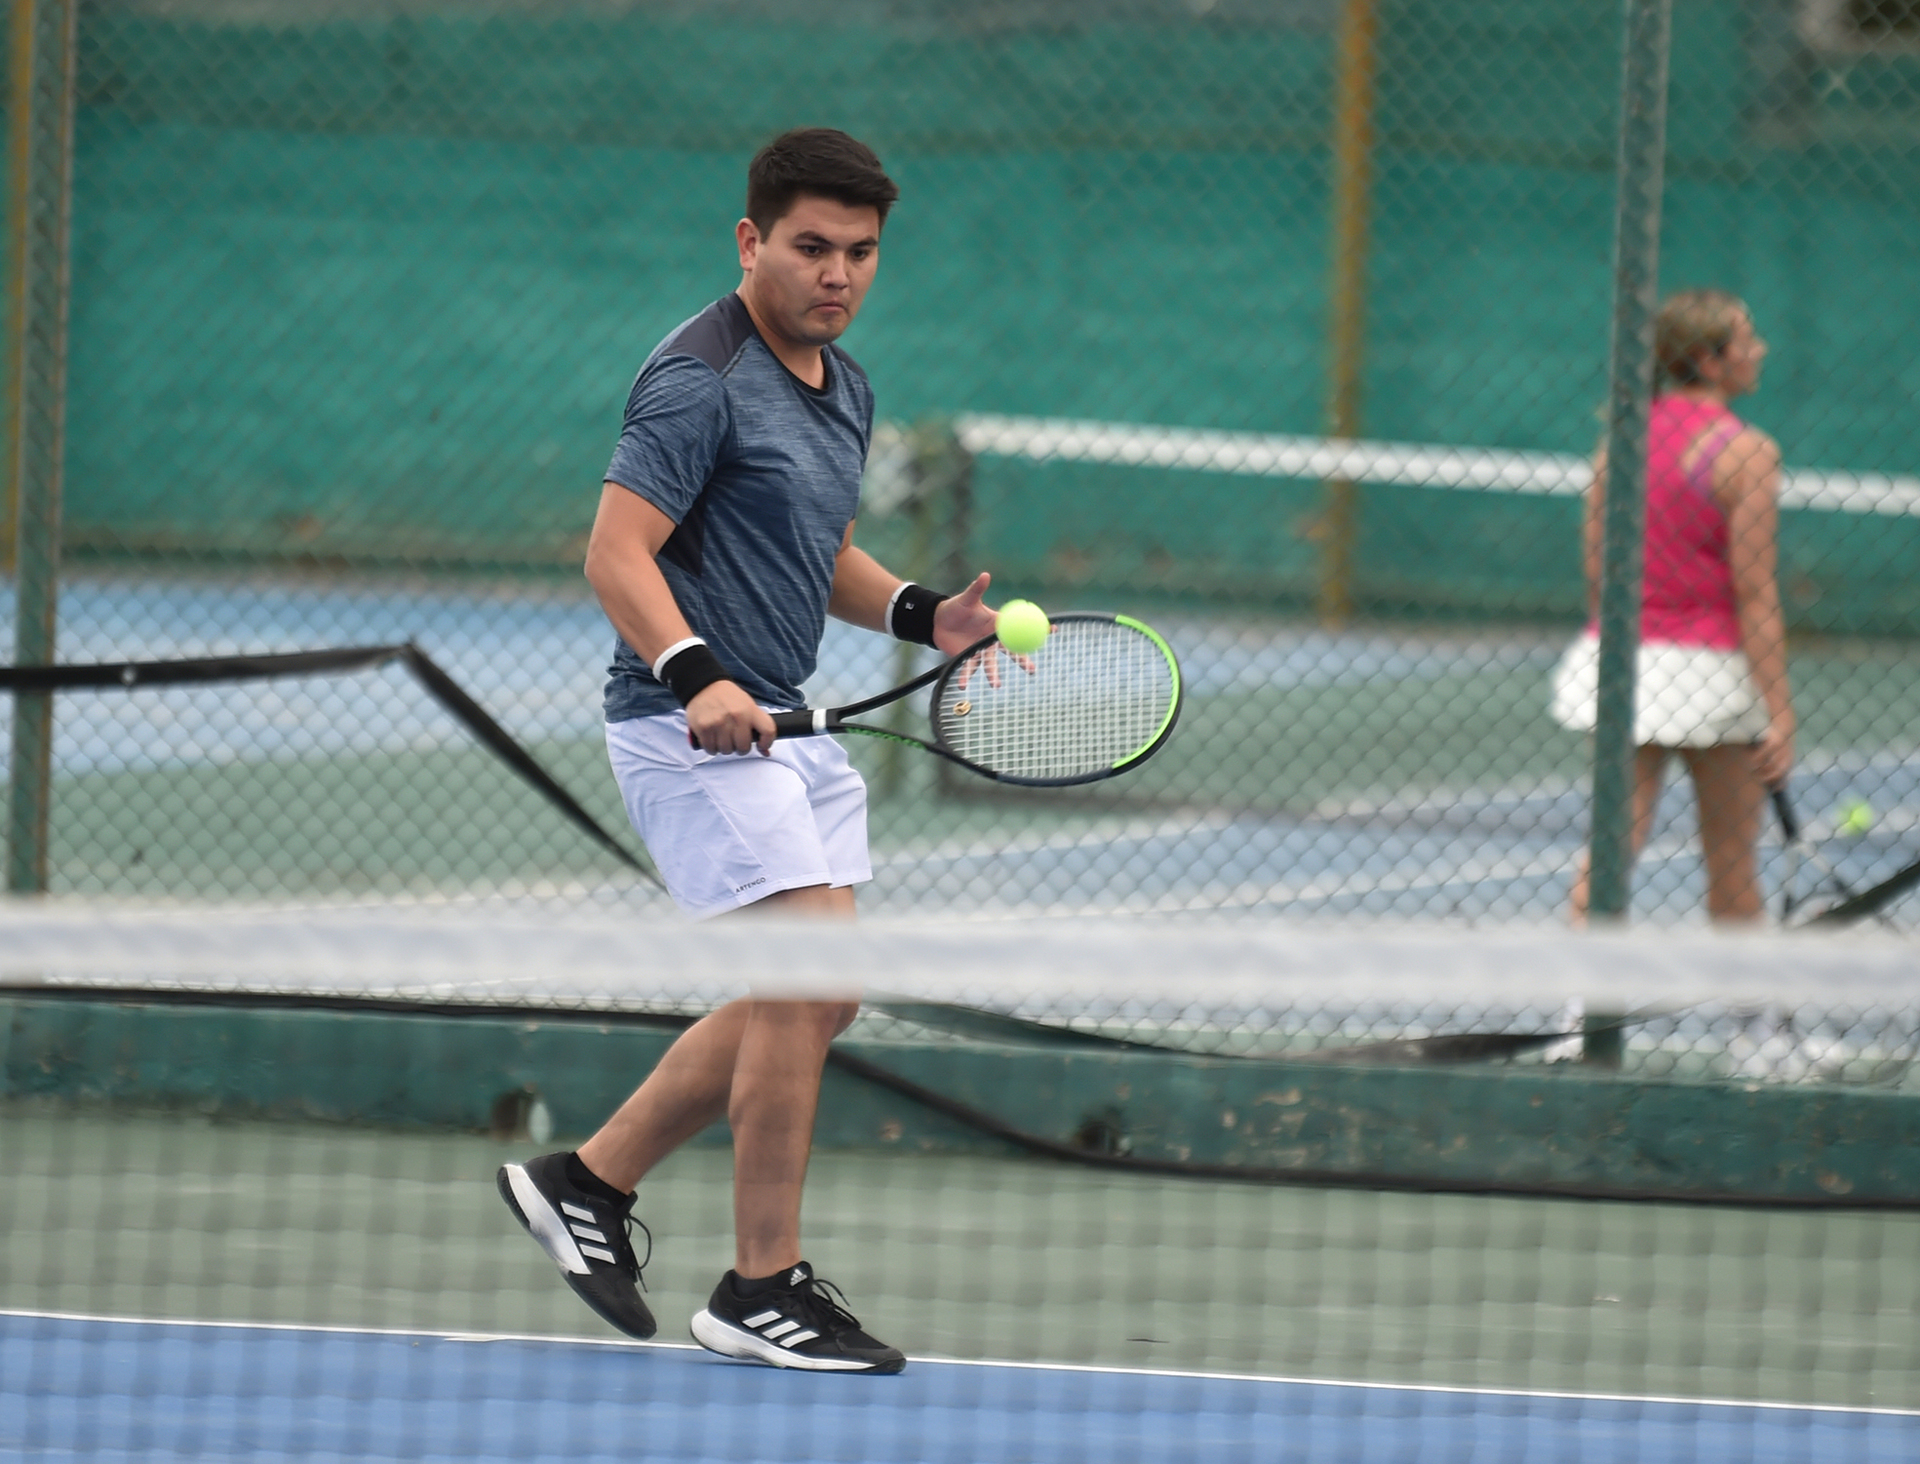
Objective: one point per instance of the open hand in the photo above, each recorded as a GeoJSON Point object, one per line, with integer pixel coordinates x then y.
{"type": "Point", "coordinates": [961, 620]}
{"type": "Point", "coordinates": [964, 620]}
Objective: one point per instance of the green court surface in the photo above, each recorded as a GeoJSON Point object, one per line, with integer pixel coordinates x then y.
{"type": "Point", "coordinates": [177, 1217]}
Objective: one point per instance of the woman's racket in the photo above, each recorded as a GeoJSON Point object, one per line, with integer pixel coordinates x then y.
{"type": "Point", "coordinates": [1800, 848]}
{"type": "Point", "coordinates": [1099, 697]}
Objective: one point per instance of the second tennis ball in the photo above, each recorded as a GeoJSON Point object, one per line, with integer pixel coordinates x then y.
{"type": "Point", "coordinates": [1856, 816]}
{"type": "Point", "coordinates": [1022, 627]}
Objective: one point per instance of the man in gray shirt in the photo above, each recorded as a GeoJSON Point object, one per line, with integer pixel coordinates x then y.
{"type": "Point", "coordinates": [724, 539]}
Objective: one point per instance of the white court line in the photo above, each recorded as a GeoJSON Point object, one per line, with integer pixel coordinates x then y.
{"type": "Point", "coordinates": [208, 1323]}
{"type": "Point", "coordinates": [1407, 464]}
{"type": "Point", "coordinates": [1447, 1389]}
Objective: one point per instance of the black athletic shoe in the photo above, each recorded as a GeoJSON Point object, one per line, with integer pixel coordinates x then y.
{"type": "Point", "coordinates": [587, 1236]}
{"type": "Point", "coordinates": [803, 1323]}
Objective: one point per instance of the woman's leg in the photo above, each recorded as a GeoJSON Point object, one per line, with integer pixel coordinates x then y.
{"type": "Point", "coordinates": [1649, 772]}
{"type": "Point", "coordinates": [1731, 799]}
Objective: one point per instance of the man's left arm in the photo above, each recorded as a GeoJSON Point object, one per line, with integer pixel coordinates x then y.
{"type": "Point", "coordinates": [863, 591]}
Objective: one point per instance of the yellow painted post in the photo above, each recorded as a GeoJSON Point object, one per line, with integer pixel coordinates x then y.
{"type": "Point", "coordinates": [1355, 57]}
{"type": "Point", "coordinates": [19, 95]}
{"type": "Point", "coordinates": [40, 193]}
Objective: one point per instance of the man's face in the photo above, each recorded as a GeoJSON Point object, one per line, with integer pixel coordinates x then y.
{"type": "Point", "coordinates": [807, 277]}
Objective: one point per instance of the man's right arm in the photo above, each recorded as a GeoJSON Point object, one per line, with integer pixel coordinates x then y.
{"type": "Point", "coordinates": [628, 533]}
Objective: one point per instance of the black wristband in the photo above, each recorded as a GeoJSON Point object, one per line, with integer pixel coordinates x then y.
{"type": "Point", "coordinates": [691, 671]}
{"type": "Point", "coordinates": [913, 609]}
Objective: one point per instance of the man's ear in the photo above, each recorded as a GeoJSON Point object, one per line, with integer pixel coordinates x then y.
{"type": "Point", "coordinates": [747, 234]}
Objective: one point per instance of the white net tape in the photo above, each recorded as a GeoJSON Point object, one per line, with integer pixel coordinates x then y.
{"type": "Point", "coordinates": [529, 955]}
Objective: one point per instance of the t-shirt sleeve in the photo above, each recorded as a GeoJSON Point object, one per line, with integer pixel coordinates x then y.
{"type": "Point", "coordinates": [676, 424]}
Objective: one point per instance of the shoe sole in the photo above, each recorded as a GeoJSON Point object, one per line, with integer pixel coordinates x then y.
{"type": "Point", "coordinates": [743, 1346]}
{"type": "Point", "coordinates": [541, 1220]}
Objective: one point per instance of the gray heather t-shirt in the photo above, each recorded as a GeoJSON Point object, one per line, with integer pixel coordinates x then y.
{"type": "Point", "coordinates": [761, 475]}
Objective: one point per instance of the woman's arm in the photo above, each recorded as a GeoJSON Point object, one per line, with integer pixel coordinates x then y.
{"type": "Point", "coordinates": [1746, 481]}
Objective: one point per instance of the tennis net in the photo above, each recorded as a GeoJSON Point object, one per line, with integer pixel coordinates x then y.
{"type": "Point", "coordinates": [1120, 1190]}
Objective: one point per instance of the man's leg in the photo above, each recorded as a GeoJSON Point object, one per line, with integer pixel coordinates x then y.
{"type": "Point", "coordinates": [694, 1086]}
{"type": "Point", "coordinates": [771, 1308]}
{"type": "Point", "coordinates": [756, 1062]}
{"type": "Point", "coordinates": [576, 1205]}
{"type": "Point", "coordinates": [686, 1091]}
{"type": "Point", "coordinates": [776, 1090]}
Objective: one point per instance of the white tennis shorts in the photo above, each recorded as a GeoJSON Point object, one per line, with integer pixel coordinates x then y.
{"type": "Point", "coordinates": [1684, 696]}
{"type": "Point", "coordinates": [726, 831]}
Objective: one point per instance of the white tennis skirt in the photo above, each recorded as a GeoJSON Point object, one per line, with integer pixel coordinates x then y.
{"type": "Point", "coordinates": [1684, 696]}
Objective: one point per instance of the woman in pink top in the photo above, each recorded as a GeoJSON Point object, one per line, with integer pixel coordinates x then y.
{"type": "Point", "coordinates": [1712, 668]}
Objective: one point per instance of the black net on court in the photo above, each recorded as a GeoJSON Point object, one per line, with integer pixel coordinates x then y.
{"type": "Point", "coordinates": [1253, 1191]}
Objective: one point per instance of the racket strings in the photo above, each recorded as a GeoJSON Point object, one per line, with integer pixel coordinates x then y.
{"type": "Point", "coordinates": [1099, 693]}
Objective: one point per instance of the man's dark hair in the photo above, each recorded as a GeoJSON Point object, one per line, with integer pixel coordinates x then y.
{"type": "Point", "coordinates": [823, 161]}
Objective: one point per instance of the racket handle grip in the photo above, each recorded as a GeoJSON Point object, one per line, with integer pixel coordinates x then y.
{"type": "Point", "coordinates": [788, 724]}
{"type": "Point", "coordinates": [1783, 810]}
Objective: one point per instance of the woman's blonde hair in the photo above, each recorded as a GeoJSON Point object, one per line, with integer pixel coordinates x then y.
{"type": "Point", "coordinates": [1692, 324]}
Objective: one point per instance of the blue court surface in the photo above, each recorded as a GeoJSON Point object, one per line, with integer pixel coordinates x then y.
{"type": "Point", "coordinates": [89, 1388]}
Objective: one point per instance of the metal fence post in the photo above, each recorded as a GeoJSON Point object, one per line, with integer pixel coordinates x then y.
{"type": "Point", "coordinates": [1636, 263]}
{"type": "Point", "coordinates": [40, 198]}
{"type": "Point", "coordinates": [1354, 59]}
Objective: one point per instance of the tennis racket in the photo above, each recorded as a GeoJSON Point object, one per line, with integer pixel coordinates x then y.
{"type": "Point", "coordinates": [1099, 698]}
{"type": "Point", "coordinates": [1799, 849]}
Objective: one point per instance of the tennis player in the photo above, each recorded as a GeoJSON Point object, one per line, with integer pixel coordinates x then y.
{"type": "Point", "coordinates": [1711, 677]}
{"type": "Point", "coordinates": [723, 541]}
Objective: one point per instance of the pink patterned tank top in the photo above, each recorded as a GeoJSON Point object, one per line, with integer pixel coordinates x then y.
{"type": "Point", "coordinates": [1687, 596]}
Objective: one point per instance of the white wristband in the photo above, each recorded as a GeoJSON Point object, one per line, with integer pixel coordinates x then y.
{"type": "Point", "coordinates": [892, 600]}
{"type": "Point", "coordinates": [660, 661]}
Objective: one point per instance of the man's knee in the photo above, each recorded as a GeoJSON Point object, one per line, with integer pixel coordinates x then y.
{"type": "Point", "coordinates": [829, 902]}
{"type": "Point", "coordinates": [821, 1020]}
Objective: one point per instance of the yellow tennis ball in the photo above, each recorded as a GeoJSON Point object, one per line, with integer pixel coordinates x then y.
{"type": "Point", "coordinates": [1022, 627]}
{"type": "Point", "coordinates": [1856, 816]}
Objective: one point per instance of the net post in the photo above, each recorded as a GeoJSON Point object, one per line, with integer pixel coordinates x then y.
{"type": "Point", "coordinates": [1354, 57]}
{"type": "Point", "coordinates": [933, 467]}
{"type": "Point", "coordinates": [1636, 258]}
{"type": "Point", "coordinates": [1603, 1039]}
{"type": "Point", "coordinates": [39, 215]}
{"type": "Point", "coordinates": [950, 469]}
{"type": "Point", "coordinates": [947, 484]}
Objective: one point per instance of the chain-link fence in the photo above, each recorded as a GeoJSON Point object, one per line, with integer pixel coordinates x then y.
{"type": "Point", "coordinates": [1282, 323]}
